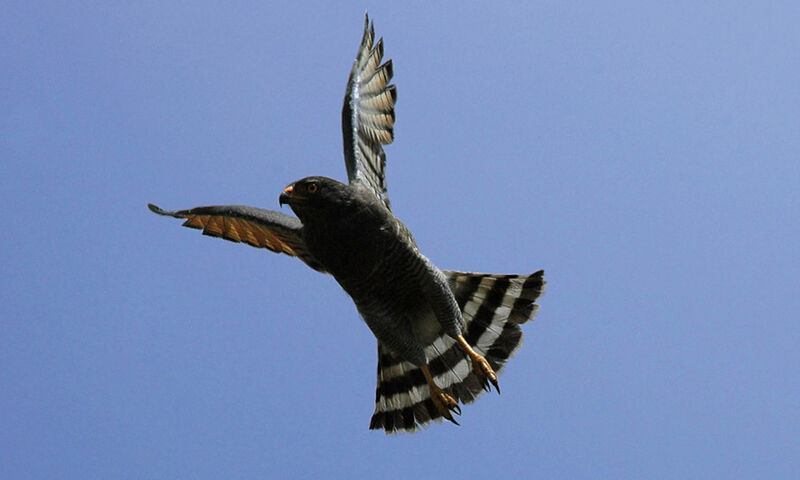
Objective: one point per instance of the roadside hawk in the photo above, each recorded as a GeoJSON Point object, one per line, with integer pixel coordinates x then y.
{"type": "Point", "coordinates": [442, 335]}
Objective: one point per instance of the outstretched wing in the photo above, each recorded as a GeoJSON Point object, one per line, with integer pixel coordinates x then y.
{"type": "Point", "coordinates": [368, 116]}
{"type": "Point", "coordinates": [254, 226]}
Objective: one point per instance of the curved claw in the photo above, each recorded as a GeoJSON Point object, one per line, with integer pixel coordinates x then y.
{"type": "Point", "coordinates": [480, 366]}
{"type": "Point", "coordinates": [494, 382]}
{"type": "Point", "coordinates": [445, 403]}
{"type": "Point", "coordinates": [485, 384]}
{"type": "Point", "coordinates": [485, 372]}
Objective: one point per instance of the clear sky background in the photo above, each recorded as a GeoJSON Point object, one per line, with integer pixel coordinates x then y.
{"type": "Point", "coordinates": [645, 154]}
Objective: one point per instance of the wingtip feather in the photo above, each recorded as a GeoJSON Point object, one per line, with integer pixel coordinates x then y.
{"type": "Point", "coordinates": [156, 209]}
{"type": "Point", "coordinates": [369, 27]}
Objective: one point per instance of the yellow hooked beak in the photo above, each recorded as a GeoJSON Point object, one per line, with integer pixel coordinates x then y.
{"type": "Point", "coordinates": [286, 196]}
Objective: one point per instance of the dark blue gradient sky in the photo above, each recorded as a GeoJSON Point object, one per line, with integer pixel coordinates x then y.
{"type": "Point", "coordinates": [645, 154]}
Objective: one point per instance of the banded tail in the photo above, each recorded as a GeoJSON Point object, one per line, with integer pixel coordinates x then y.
{"type": "Point", "coordinates": [493, 307]}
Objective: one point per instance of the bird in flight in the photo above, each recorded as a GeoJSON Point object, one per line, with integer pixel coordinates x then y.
{"type": "Point", "coordinates": [442, 335]}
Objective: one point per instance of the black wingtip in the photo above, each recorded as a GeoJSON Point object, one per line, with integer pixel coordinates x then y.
{"type": "Point", "coordinates": [156, 209]}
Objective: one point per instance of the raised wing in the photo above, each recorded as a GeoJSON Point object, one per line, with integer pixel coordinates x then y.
{"type": "Point", "coordinates": [368, 115]}
{"type": "Point", "coordinates": [254, 226]}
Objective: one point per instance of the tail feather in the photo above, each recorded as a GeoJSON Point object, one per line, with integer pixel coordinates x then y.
{"type": "Point", "coordinates": [493, 307]}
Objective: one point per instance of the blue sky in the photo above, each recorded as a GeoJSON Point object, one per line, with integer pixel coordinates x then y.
{"type": "Point", "coordinates": [644, 154]}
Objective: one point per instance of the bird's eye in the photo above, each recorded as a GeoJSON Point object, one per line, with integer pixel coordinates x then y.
{"type": "Point", "coordinates": [312, 188]}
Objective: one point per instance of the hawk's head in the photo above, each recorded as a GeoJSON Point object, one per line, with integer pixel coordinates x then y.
{"type": "Point", "coordinates": [316, 195]}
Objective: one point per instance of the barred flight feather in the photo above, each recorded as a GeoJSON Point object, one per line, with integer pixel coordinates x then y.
{"type": "Point", "coordinates": [254, 226]}
{"type": "Point", "coordinates": [493, 307]}
{"type": "Point", "coordinates": [368, 115]}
